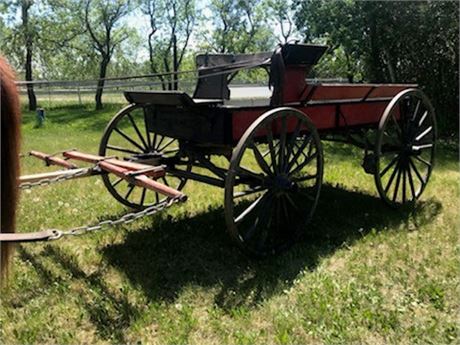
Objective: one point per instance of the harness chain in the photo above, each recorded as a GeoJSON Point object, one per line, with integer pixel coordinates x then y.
{"type": "Point", "coordinates": [102, 225]}
{"type": "Point", "coordinates": [108, 223]}
{"type": "Point", "coordinates": [48, 181]}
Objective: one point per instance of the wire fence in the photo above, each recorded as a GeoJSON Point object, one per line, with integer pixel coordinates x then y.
{"type": "Point", "coordinates": [51, 93]}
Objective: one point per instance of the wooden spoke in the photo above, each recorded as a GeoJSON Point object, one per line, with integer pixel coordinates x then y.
{"type": "Point", "coordinates": [143, 196]}
{"type": "Point", "coordinates": [422, 119]}
{"type": "Point", "coordinates": [422, 147]}
{"type": "Point", "coordinates": [292, 141]}
{"type": "Point", "coordinates": [136, 129]}
{"type": "Point", "coordinates": [260, 160]}
{"type": "Point", "coordinates": [393, 174]}
{"type": "Point", "coordinates": [282, 150]}
{"type": "Point", "coordinates": [154, 142]}
{"type": "Point", "coordinates": [398, 179]}
{"type": "Point", "coordinates": [425, 132]}
{"type": "Point", "coordinates": [417, 106]}
{"type": "Point", "coordinates": [271, 147]}
{"type": "Point", "coordinates": [249, 173]}
{"type": "Point", "coordinates": [117, 181]}
{"type": "Point", "coordinates": [397, 126]}
{"type": "Point", "coordinates": [411, 183]}
{"type": "Point", "coordinates": [298, 153]}
{"type": "Point", "coordinates": [420, 159]}
{"type": "Point", "coordinates": [393, 161]}
{"type": "Point", "coordinates": [250, 208]}
{"type": "Point", "coordinates": [129, 139]}
{"type": "Point", "coordinates": [303, 164]}
{"type": "Point", "coordinates": [159, 143]}
{"type": "Point", "coordinates": [121, 149]}
{"type": "Point", "coordinates": [167, 144]}
{"type": "Point", "coordinates": [249, 192]}
{"type": "Point", "coordinates": [130, 190]}
{"type": "Point", "coordinates": [147, 134]}
{"type": "Point", "coordinates": [416, 172]}
{"type": "Point", "coordinates": [305, 178]}
{"type": "Point", "coordinates": [404, 171]}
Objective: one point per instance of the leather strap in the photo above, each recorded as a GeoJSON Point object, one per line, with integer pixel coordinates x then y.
{"type": "Point", "coordinates": [28, 236]}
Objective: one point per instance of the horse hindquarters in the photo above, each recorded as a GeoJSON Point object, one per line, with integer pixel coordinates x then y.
{"type": "Point", "coordinates": [10, 122]}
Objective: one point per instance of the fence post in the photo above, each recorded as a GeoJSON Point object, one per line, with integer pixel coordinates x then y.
{"type": "Point", "coordinates": [49, 93]}
{"type": "Point", "coordinates": [79, 93]}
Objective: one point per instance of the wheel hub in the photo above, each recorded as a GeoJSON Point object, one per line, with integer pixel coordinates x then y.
{"type": "Point", "coordinates": [283, 184]}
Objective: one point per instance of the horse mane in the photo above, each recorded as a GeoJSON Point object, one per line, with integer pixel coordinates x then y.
{"type": "Point", "coordinates": [10, 137]}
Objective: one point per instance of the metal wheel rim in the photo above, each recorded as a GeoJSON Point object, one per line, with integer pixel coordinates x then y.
{"type": "Point", "coordinates": [407, 173]}
{"type": "Point", "coordinates": [316, 161]}
{"type": "Point", "coordinates": [109, 180]}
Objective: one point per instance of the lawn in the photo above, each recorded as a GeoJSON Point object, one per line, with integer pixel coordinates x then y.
{"type": "Point", "coordinates": [364, 274]}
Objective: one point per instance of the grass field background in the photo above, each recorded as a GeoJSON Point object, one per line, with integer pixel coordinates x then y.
{"type": "Point", "coordinates": [364, 274]}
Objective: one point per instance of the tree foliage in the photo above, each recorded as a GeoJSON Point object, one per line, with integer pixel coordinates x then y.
{"type": "Point", "coordinates": [171, 24]}
{"type": "Point", "coordinates": [392, 41]}
{"type": "Point", "coordinates": [102, 23]}
{"type": "Point", "coordinates": [239, 26]}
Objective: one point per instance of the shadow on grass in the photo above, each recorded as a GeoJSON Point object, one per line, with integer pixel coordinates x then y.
{"type": "Point", "coordinates": [196, 251]}
{"type": "Point", "coordinates": [110, 313]}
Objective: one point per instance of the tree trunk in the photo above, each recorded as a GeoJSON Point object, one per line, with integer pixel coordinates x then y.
{"type": "Point", "coordinates": [29, 48]}
{"type": "Point", "coordinates": [375, 71]}
{"type": "Point", "coordinates": [153, 68]}
{"type": "Point", "coordinates": [101, 82]}
{"type": "Point", "coordinates": [30, 87]}
{"type": "Point", "coordinates": [175, 65]}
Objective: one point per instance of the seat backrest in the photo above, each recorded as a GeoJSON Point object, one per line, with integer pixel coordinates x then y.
{"type": "Point", "coordinates": [290, 65]}
{"type": "Point", "coordinates": [215, 86]}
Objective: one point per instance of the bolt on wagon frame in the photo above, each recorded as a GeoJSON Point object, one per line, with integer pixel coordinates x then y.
{"type": "Point", "coordinates": [268, 159]}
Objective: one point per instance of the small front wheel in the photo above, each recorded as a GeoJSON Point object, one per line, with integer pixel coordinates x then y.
{"type": "Point", "coordinates": [274, 181]}
{"type": "Point", "coordinates": [129, 137]}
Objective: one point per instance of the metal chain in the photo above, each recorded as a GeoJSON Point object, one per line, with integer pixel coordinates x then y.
{"type": "Point", "coordinates": [48, 181]}
{"type": "Point", "coordinates": [125, 219]}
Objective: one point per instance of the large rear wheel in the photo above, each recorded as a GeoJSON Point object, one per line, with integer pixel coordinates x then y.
{"type": "Point", "coordinates": [274, 181]}
{"type": "Point", "coordinates": [405, 148]}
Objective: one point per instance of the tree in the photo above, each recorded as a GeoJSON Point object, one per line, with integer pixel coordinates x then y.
{"type": "Point", "coordinates": [239, 26]}
{"type": "Point", "coordinates": [20, 41]}
{"type": "Point", "coordinates": [397, 41]}
{"type": "Point", "coordinates": [175, 21]}
{"type": "Point", "coordinates": [281, 12]}
{"type": "Point", "coordinates": [102, 21]}
{"type": "Point", "coordinates": [28, 40]}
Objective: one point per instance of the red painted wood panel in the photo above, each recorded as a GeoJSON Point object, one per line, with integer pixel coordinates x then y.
{"type": "Point", "coordinates": [323, 116]}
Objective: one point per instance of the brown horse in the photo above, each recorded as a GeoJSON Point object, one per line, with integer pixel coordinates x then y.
{"type": "Point", "coordinates": [10, 123]}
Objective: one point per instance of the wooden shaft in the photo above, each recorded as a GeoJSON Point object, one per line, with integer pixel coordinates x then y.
{"type": "Point", "coordinates": [85, 157]}
{"type": "Point", "coordinates": [142, 181]}
{"type": "Point", "coordinates": [53, 160]}
{"type": "Point", "coordinates": [54, 174]}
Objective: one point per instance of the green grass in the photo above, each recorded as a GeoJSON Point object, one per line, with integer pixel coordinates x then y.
{"type": "Point", "coordinates": [364, 274]}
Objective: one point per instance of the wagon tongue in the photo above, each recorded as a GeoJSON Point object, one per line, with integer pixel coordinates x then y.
{"type": "Point", "coordinates": [142, 171]}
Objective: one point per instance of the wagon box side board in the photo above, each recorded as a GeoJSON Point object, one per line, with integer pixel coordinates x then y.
{"type": "Point", "coordinates": [330, 106]}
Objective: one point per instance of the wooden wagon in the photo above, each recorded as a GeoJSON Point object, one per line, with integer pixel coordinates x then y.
{"type": "Point", "coordinates": [267, 158]}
